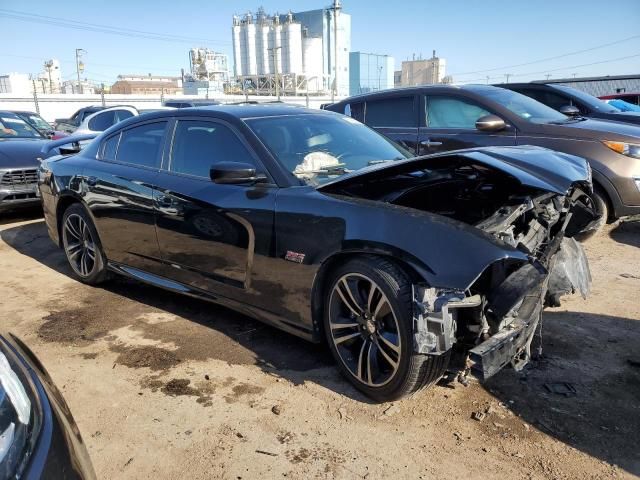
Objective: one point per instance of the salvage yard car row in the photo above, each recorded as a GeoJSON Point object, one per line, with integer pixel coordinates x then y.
{"type": "Point", "coordinates": [426, 249]}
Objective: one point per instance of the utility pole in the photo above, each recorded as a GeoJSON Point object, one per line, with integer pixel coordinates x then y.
{"type": "Point", "coordinates": [487, 79]}
{"type": "Point", "coordinates": [336, 8]}
{"type": "Point", "coordinates": [548, 75]}
{"type": "Point", "coordinates": [275, 67]}
{"type": "Point", "coordinates": [79, 52]}
{"type": "Point", "coordinates": [35, 96]}
{"type": "Point", "coordinates": [508, 75]}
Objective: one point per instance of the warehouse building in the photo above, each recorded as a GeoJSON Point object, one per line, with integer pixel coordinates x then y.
{"type": "Point", "coordinates": [600, 86]}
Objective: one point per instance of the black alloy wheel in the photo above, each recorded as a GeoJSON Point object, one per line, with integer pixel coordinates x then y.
{"type": "Point", "coordinates": [368, 323]}
{"type": "Point", "coordinates": [82, 246]}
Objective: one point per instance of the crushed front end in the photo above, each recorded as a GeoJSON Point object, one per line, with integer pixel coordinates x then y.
{"type": "Point", "coordinates": [492, 323]}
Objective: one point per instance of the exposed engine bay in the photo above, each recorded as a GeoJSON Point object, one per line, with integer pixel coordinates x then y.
{"type": "Point", "coordinates": [493, 322]}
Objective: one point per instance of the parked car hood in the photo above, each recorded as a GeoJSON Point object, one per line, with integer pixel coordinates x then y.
{"type": "Point", "coordinates": [535, 167]}
{"type": "Point", "coordinates": [20, 152]}
{"type": "Point", "coordinates": [597, 129]}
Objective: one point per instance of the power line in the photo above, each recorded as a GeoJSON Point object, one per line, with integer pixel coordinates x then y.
{"type": "Point", "coordinates": [541, 72]}
{"type": "Point", "coordinates": [93, 27]}
{"type": "Point", "coordinates": [551, 58]}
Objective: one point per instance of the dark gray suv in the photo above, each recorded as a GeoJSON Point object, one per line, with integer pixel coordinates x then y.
{"type": "Point", "coordinates": [435, 118]}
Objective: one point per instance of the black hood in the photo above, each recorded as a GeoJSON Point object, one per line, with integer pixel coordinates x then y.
{"type": "Point", "coordinates": [534, 167]}
{"type": "Point", "coordinates": [20, 152]}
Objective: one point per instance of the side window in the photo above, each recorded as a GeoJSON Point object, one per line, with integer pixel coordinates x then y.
{"type": "Point", "coordinates": [391, 112]}
{"type": "Point", "coordinates": [101, 121]}
{"type": "Point", "coordinates": [199, 145]}
{"type": "Point", "coordinates": [449, 112]}
{"type": "Point", "coordinates": [355, 110]}
{"type": "Point", "coordinates": [142, 145]}
{"type": "Point", "coordinates": [121, 115]}
{"type": "Point", "coordinates": [109, 147]}
{"type": "Point", "coordinates": [555, 101]}
{"type": "Point", "coordinates": [550, 99]}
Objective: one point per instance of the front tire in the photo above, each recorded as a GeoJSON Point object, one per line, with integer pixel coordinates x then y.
{"type": "Point", "coordinates": [82, 246]}
{"type": "Point", "coordinates": [368, 318]}
{"type": "Point", "coordinates": [602, 209]}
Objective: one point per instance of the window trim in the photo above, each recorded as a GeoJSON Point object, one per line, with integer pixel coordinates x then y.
{"type": "Point", "coordinates": [166, 121]}
{"type": "Point", "coordinates": [103, 146]}
{"type": "Point", "coordinates": [167, 161]}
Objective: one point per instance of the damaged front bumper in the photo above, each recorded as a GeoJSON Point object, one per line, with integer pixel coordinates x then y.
{"type": "Point", "coordinates": [506, 318]}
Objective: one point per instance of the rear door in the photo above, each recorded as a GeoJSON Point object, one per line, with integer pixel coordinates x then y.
{"type": "Point", "coordinates": [210, 234]}
{"type": "Point", "coordinates": [450, 124]}
{"type": "Point", "coordinates": [395, 117]}
{"type": "Point", "coordinates": [119, 192]}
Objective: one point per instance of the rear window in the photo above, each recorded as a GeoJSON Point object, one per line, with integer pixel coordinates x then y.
{"type": "Point", "coordinates": [391, 112]}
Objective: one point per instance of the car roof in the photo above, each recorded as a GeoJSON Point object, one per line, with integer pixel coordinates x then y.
{"type": "Point", "coordinates": [439, 88]}
{"type": "Point", "coordinates": [244, 111]}
{"type": "Point", "coordinates": [25, 112]}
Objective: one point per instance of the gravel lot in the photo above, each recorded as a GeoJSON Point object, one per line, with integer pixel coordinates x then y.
{"type": "Point", "coordinates": [164, 386]}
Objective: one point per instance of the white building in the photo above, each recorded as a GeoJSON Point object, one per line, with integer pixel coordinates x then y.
{"type": "Point", "coordinates": [16, 83]}
{"type": "Point", "coordinates": [299, 47]}
{"type": "Point", "coordinates": [423, 72]}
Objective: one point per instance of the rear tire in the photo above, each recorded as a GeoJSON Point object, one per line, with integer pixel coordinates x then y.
{"type": "Point", "coordinates": [368, 322]}
{"type": "Point", "coordinates": [82, 246]}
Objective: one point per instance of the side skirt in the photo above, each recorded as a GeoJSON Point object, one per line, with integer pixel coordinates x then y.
{"type": "Point", "coordinates": [177, 287]}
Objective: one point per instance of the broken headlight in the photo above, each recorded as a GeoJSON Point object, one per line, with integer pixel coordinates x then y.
{"type": "Point", "coordinates": [19, 414]}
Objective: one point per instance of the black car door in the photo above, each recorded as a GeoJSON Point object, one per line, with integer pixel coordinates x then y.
{"type": "Point", "coordinates": [395, 117]}
{"type": "Point", "coordinates": [210, 233]}
{"type": "Point", "coordinates": [119, 192]}
{"type": "Point", "coordinates": [450, 124]}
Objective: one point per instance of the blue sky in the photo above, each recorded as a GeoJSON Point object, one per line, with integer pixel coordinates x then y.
{"type": "Point", "coordinates": [473, 36]}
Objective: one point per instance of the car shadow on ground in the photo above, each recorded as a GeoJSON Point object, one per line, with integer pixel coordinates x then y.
{"type": "Point", "coordinates": [20, 215]}
{"type": "Point", "coordinates": [277, 352]}
{"type": "Point", "coordinates": [627, 232]}
{"type": "Point", "coordinates": [584, 390]}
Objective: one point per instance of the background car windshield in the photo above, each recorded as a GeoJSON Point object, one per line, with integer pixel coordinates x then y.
{"type": "Point", "coordinates": [12, 126]}
{"type": "Point", "coordinates": [37, 121]}
{"type": "Point", "coordinates": [317, 148]}
{"type": "Point", "coordinates": [525, 107]}
{"type": "Point", "coordinates": [589, 100]}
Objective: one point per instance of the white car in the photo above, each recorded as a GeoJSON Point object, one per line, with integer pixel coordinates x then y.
{"type": "Point", "coordinates": [102, 120]}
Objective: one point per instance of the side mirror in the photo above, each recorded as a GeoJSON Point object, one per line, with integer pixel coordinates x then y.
{"type": "Point", "coordinates": [235, 173]}
{"type": "Point", "coordinates": [569, 111]}
{"type": "Point", "coordinates": [490, 123]}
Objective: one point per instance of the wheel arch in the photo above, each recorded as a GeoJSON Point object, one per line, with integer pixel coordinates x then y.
{"type": "Point", "coordinates": [606, 189]}
{"type": "Point", "coordinates": [417, 271]}
{"type": "Point", "coordinates": [64, 202]}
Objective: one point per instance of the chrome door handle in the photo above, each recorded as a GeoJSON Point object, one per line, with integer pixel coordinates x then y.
{"type": "Point", "coordinates": [429, 143]}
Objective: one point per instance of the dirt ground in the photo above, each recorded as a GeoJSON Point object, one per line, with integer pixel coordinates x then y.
{"type": "Point", "coordinates": [164, 386]}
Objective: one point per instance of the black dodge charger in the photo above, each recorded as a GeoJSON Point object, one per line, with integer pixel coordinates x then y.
{"type": "Point", "coordinates": [409, 268]}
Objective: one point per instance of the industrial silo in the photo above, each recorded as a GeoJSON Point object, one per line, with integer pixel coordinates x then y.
{"type": "Point", "coordinates": [291, 46]}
